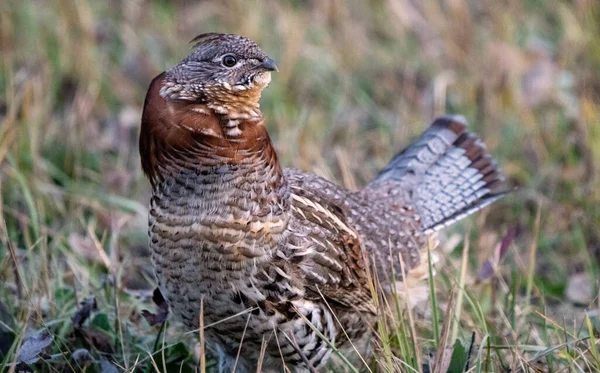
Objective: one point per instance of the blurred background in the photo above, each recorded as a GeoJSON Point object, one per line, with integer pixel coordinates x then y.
{"type": "Point", "coordinates": [358, 81]}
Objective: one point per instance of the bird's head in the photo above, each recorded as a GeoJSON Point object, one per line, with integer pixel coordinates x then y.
{"type": "Point", "coordinates": [205, 109]}
{"type": "Point", "coordinates": [224, 71]}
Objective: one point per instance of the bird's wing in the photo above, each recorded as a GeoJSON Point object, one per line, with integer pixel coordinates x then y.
{"type": "Point", "coordinates": [334, 263]}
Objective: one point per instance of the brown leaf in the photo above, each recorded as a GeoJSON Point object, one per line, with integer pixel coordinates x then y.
{"type": "Point", "coordinates": [508, 238]}
{"type": "Point", "coordinates": [488, 267]}
{"type": "Point", "coordinates": [86, 307]}
{"type": "Point", "coordinates": [162, 309]}
{"type": "Point", "coordinates": [486, 271]}
{"type": "Point", "coordinates": [94, 338]}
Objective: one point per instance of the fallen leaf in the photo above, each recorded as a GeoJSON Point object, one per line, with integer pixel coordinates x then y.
{"type": "Point", "coordinates": [108, 367]}
{"type": "Point", "coordinates": [30, 351]}
{"type": "Point", "coordinates": [82, 356]}
{"type": "Point", "coordinates": [96, 339]}
{"type": "Point", "coordinates": [488, 267]}
{"type": "Point", "coordinates": [162, 309]}
{"type": "Point", "coordinates": [508, 238]}
{"type": "Point", "coordinates": [86, 307]}
{"type": "Point", "coordinates": [486, 271]}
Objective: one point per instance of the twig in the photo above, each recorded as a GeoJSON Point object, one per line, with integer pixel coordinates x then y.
{"type": "Point", "coordinates": [13, 254]}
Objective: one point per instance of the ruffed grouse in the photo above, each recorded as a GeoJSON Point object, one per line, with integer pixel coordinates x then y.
{"type": "Point", "coordinates": [279, 258]}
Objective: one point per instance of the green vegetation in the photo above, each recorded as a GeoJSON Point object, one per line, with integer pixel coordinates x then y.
{"type": "Point", "coordinates": [358, 80]}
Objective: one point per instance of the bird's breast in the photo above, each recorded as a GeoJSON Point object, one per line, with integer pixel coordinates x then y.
{"type": "Point", "coordinates": [214, 231]}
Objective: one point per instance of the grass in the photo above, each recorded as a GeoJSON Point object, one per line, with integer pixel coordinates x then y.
{"type": "Point", "coordinates": [358, 81]}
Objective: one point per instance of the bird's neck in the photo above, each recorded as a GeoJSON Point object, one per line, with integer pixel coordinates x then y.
{"type": "Point", "coordinates": [226, 158]}
{"type": "Point", "coordinates": [240, 107]}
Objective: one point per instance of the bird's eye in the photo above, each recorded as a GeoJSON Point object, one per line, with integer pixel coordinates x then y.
{"type": "Point", "coordinates": [229, 60]}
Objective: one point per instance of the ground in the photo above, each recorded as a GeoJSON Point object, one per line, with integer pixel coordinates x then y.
{"type": "Point", "coordinates": [518, 288]}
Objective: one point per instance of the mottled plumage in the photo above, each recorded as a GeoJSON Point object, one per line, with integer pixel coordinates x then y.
{"type": "Point", "coordinates": [289, 253]}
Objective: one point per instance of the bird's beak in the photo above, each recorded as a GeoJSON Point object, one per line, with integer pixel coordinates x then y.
{"type": "Point", "coordinates": [268, 65]}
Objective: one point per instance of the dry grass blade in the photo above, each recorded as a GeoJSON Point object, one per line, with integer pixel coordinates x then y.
{"type": "Point", "coordinates": [13, 255]}
{"type": "Point", "coordinates": [366, 366]}
{"type": "Point", "coordinates": [411, 321]}
{"type": "Point", "coordinates": [305, 360]}
{"type": "Point", "coordinates": [533, 257]}
{"type": "Point", "coordinates": [237, 356]}
{"type": "Point", "coordinates": [461, 287]}
{"type": "Point", "coordinates": [444, 350]}
{"type": "Point", "coordinates": [249, 310]}
{"type": "Point", "coordinates": [201, 336]}
{"type": "Point", "coordinates": [344, 359]}
{"type": "Point", "coordinates": [263, 350]}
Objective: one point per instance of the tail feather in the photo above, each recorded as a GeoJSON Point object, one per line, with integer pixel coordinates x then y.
{"type": "Point", "coordinates": [448, 174]}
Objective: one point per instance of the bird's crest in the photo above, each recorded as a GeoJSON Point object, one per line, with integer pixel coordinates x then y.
{"type": "Point", "coordinates": [205, 37]}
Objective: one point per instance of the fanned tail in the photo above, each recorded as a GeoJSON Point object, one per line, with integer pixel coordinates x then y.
{"type": "Point", "coordinates": [447, 172]}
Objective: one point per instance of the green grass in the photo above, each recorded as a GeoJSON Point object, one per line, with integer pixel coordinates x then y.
{"type": "Point", "coordinates": [358, 80]}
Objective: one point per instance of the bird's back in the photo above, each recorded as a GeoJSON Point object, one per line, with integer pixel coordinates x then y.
{"type": "Point", "coordinates": [443, 176]}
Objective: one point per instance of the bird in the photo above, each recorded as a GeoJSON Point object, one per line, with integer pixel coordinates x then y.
{"type": "Point", "coordinates": [280, 264]}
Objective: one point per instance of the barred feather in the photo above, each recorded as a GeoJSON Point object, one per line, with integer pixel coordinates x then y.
{"type": "Point", "coordinates": [446, 172]}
